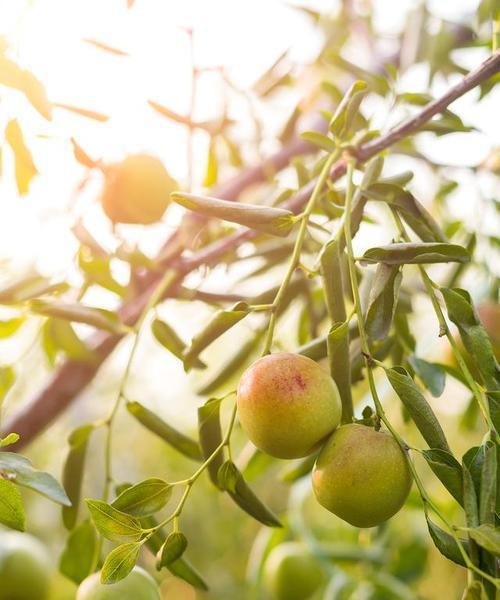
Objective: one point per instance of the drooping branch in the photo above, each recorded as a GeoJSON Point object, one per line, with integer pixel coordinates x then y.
{"type": "Point", "coordinates": [72, 377]}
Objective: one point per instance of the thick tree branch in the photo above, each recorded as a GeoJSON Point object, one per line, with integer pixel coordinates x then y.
{"type": "Point", "coordinates": [71, 378]}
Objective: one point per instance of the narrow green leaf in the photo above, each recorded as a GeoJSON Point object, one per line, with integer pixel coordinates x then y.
{"type": "Point", "coordinates": [470, 499]}
{"type": "Point", "coordinates": [73, 472]}
{"type": "Point", "coordinates": [30, 287]}
{"type": "Point", "coordinates": [343, 118]}
{"type": "Point", "coordinates": [79, 313]}
{"type": "Point", "coordinates": [212, 168]}
{"type": "Point", "coordinates": [65, 338]}
{"type": "Point", "coordinates": [113, 524]}
{"type": "Point", "coordinates": [170, 340]}
{"type": "Point", "coordinates": [184, 570]}
{"type": "Point", "coordinates": [431, 374]}
{"type": "Point", "coordinates": [182, 443]}
{"type": "Point", "coordinates": [446, 544]}
{"type": "Point", "coordinates": [448, 470]}
{"type": "Point", "coordinates": [418, 408]}
{"type": "Point", "coordinates": [210, 435]}
{"type": "Point", "coordinates": [11, 506]}
{"type": "Point", "coordinates": [383, 299]}
{"type": "Point", "coordinates": [416, 253]}
{"type": "Point", "coordinates": [221, 322]}
{"type": "Point", "coordinates": [7, 379]}
{"type": "Point", "coordinates": [244, 497]}
{"type": "Point", "coordinates": [173, 548]}
{"type": "Point", "coordinates": [120, 562]}
{"type": "Point", "coordinates": [488, 490]}
{"type": "Point", "coordinates": [271, 220]}
{"type": "Point", "coordinates": [9, 439]}
{"type": "Point", "coordinates": [319, 139]}
{"type": "Point", "coordinates": [475, 591]}
{"type": "Point", "coordinates": [78, 555]}
{"type": "Point", "coordinates": [303, 467]}
{"type": "Point", "coordinates": [144, 498]}
{"type": "Point", "coordinates": [474, 337]}
{"type": "Point", "coordinates": [340, 368]}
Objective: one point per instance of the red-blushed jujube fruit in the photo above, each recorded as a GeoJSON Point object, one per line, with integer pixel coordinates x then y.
{"type": "Point", "coordinates": [137, 585]}
{"type": "Point", "coordinates": [287, 404]}
{"type": "Point", "coordinates": [361, 475]}
{"type": "Point", "coordinates": [24, 567]}
{"type": "Point", "coordinates": [292, 573]}
{"type": "Point", "coordinates": [136, 190]}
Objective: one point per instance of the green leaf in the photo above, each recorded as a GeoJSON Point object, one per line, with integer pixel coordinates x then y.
{"type": "Point", "coordinates": [173, 548]}
{"type": "Point", "coordinates": [383, 298]}
{"type": "Point", "coordinates": [73, 472]}
{"type": "Point", "coordinates": [182, 443]}
{"type": "Point", "coordinates": [227, 476]}
{"type": "Point", "coordinates": [212, 168]}
{"type": "Point", "coordinates": [343, 119]}
{"type": "Point", "coordinates": [184, 570]}
{"type": "Point", "coordinates": [113, 524]}
{"type": "Point", "coordinates": [489, 483]}
{"type": "Point", "coordinates": [271, 220]}
{"type": "Point", "coordinates": [244, 497]}
{"type": "Point", "coordinates": [448, 470]}
{"type": "Point", "coordinates": [409, 253]}
{"type": "Point", "coordinates": [169, 339]}
{"type": "Point", "coordinates": [78, 555]}
{"type": "Point", "coordinates": [64, 338]}
{"type": "Point", "coordinates": [319, 139]}
{"type": "Point", "coordinates": [408, 207]}
{"type": "Point", "coordinates": [29, 287]}
{"type": "Point", "coordinates": [21, 471]}
{"type": "Point", "coordinates": [300, 469]}
{"type": "Point", "coordinates": [11, 506]}
{"type": "Point", "coordinates": [144, 498]}
{"type": "Point", "coordinates": [431, 374]}
{"type": "Point", "coordinates": [418, 408]}
{"type": "Point", "coordinates": [10, 326]}
{"type": "Point", "coordinates": [79, 313]}
{"type": "Point", "coordinates": [120, 562]}
{"type": "Point", "coordinates": [487, 536]}
{"type": "Point", "coordinates": [221, 322]}
{"type": "Point", "coordinates": [9, 439]}
{"type": "Point", "coordinates": [210, 435]}
{"type": "Point", "coordinates": [475, 591]}
{"type": "Point", "coordinates": [470, 499]}
{"type": "Point", "coordinates": [7, 379]}
{"type": "Point", "coordinates": [446, 544]}
{"type": "Point", "coordinates": [474, 337]}
{"type": "Point", "coordinates": [340, 368]}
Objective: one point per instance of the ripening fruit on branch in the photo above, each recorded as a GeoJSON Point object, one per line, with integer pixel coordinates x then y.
{"type": "Point", "coordinates": [287, 404]}
{"type": "Point", "coordinates": [361, 475]}
{"type": "Point", "coordinates": [292, 573]}
{"type": "Point", "coordinates": [137, 585]}
{"type": "Point", "coordinates": [24, 567]}
{"type": "Point", "coordinates": [136, 190]}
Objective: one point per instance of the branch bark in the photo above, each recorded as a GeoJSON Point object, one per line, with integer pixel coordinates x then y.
{"type": "Point", "coordinates": [72, 377]}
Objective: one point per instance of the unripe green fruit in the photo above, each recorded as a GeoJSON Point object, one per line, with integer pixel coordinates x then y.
{"type": "Point", "coordinates": [24, 567]}
{"type": "Point", "coordinates": [137, 585]}
{"type": "Point", "coordinates": [287, 404]}
{"type": "Point", "coordinates": [361, 475]}
{"type": "Point", "coordinates": [137, 190]}
{"type": "Point", "coordinates": [291, 573]}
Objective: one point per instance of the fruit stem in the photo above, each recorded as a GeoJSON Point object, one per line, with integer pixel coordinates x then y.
{"type": "Point", "coordinates": [297, 249]}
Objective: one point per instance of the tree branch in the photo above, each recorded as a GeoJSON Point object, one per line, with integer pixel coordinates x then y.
{"type": "Point", "coordinates": [72, 377]}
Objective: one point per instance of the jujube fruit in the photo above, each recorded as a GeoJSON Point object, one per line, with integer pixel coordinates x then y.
{"type": "Point", "coordinates": [136, 190]}
{"type": "Point", "coordinates": [292, 573]}
{"type": "Point", "coordinates": [137, 585]}
{"type": "Point", "coordinates": [24, 567]}
{"type": "Point", "coordinates": [287, 404]}
{"type": "Point", "coordinates": [361, 475]}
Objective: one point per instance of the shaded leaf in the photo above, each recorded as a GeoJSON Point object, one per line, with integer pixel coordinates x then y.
{"type": "Point", "coordinates": [431, 374]}
{"type": "Point", "coordinates": [182, 443]}
{"type": "Point", "coordinates": [73, 472]}
{"type": "Point", "coordinates": [173, 548]}
{"type": "Point", "coordinates": [210, 435]}
{"type": "Point", "coordinates": [184, 570]}
{"type": "Point", "coordinates": [488, 488]}
{"type": "Point", "coordinates": [78, 555]}
{"type": "Point", "coordinates": [337, 343]}
{"type": "Point", "coordinates": [487, 536]}
{"type": "Point", "coordinates": [448, 470]}
{"type": "Point", "coordinates": [383, 298]}
{"type": "Point", "coordinates": [170, 340]}
{"type": "Point", "coordinates": [446, 544]}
